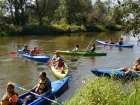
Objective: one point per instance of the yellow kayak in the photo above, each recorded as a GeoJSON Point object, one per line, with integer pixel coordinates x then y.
{"type": "Point", "coordinates": [60, 72]}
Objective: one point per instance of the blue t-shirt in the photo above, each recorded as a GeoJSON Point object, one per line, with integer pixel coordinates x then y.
{"type": "Point", "coordinates": [48, 86]}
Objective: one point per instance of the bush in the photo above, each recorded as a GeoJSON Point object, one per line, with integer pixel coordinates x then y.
{"type": "Point", "coordinates": [103, 91]}
{"type": "Point", "coordinates": [96, 28]}
{"type": "Point", "coordinates": [114, 27]}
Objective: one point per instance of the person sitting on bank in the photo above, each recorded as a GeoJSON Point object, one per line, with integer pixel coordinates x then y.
{"type": "Point", "coordinates": [10, 97]}
{"type": "Point", "coordinates": [34, 51]}
{"type": "Point", "coordinates": [92, 49]}
{"type": "Point", "coordinates": [43, 88]}
{"type": "Point", "coordinates": [76, 48]}
{"type": "Point", "coordinates": [25, 49]}
{"type": "Point", "coordinates": [111, 41]}
{"type": "Point", "coordinates": [135, 67]}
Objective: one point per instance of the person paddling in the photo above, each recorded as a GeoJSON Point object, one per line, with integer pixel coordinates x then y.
{"type": "Point", "coordinates": [111, 41]}
{"type": "Point", "coordinates": [34, 51]}
{"type": "Point", "coordinates": [92, 49]}
{"type": "Point", "coordinates": [120, 41]}
{"type": "Point", "coordinates": [43, 88]}
{"type": "Point", "coordinates": [25, 49]}
{"type": "Point", "coordinates": [76, 48]}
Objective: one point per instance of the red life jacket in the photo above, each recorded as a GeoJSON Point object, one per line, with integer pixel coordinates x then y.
{"type": "Point", "coordinates": [60, 64]}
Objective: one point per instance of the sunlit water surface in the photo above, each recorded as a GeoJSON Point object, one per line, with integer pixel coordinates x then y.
{"type": "Point", "coordinates": [25, 72]}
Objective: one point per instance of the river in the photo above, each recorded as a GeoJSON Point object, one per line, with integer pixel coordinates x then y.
{"type": "Point", "coordinates": [25, 72]}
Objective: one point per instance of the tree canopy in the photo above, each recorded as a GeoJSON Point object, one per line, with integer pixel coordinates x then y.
{"type": "Point", "coordinates": [79, 12]}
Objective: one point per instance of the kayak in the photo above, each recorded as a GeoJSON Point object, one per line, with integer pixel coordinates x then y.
{"type": "Point", "coordinates": [57, 72]}
{"type": "Point", "coordinates": [114, 73]}
{"type": "Point", "coordinates": [41, 58]}
{"type": "Point", "coordinates": [116, 45]}
{"type": "Point", "coordinates": [57, 87]}
{"type": "Point", "coordinates": [83, 53]}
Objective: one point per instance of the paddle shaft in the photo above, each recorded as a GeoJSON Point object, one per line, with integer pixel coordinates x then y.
{"type": "Point", "coordinates": [74, 60]}
{"type": "Point", "coordinates": [37, 94]}
{"type": "Point", "coordinates": [88, 46]}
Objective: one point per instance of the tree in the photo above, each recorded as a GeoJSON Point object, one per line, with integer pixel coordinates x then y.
{"type": "Point", "coordinates": [16, 9]}
{"type": "Point", "coordinates": [99, 12]}
{"type": "Point", "coordinates": [130, 16]}
{"type": "Point", "coordinates": [73, 11]}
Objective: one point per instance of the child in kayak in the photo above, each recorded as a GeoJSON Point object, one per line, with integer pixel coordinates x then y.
{"type": "Point", "coordinates": [76, 48]}
{"type": "Point", "coordinates": [10, 97]}
{"type": "Point", "coordinates": [25, 49]}
{"type": "Point", "coordinates": [92, 49]}
{"type": "Point", "coordinates": [120, 41]}
{"type": "Point", "coordinates": [111, 41]}
{"type": "Point", "coordinates": [59, 63]}
{"type": "Point", "coordinates": [34, 51]}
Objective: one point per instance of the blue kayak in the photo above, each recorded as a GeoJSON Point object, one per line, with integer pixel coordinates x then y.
{"type": "Point", "coordinates": [57, 87]}
{"type": "Point", "coordinates": [41, 58]}
{"type": "Point", "coordinates": [36, 58]}
{"type": "Point", "coordinates": [114, 73]}
{"type": "Point", "coordinates": [115, 45]}
{"type": "Point", "coordinates": [22, 52]}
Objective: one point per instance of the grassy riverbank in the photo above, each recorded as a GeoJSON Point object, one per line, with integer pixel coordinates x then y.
{"type": "Point", "coordinates": [103, 91]}
{"type": "Point", "coordinates": [54, 29]}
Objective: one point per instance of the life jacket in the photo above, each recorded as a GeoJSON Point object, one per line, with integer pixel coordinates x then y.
{"type": "Point", "coordinates": [60, 64]}
{"type": "Point", "coordinates": [6, 97]}
{"type": "Point", "coordinates": [41, 86]}
{"type": "Point", "coordinates": [34, 52]}
{"type": "Point", "coordinates": [134, 67]}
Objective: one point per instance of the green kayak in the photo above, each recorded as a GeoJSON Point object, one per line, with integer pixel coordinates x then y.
{"type": "Point", "coordinates": [83, 53]}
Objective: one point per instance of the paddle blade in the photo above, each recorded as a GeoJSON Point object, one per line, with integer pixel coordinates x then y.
{"type": "Point", "coordinates": [40, 63]}
{"type": "Point", "coordinates": [57, 102]}
{"type": "Point", "coordinates": [17, 87]}
{"type": "Point", "coordinates": [13, 52]}
{"type": "Point", "coordinates": [73, 60]}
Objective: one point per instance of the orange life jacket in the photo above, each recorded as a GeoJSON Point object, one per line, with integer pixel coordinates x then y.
{"type": "Point", "coordinates": [6, 97]}
{"type": "Point", "coordinates": [34, 52]}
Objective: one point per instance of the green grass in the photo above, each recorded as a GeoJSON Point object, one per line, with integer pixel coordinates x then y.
{"type": "Point", "coordinates": [103, 91]}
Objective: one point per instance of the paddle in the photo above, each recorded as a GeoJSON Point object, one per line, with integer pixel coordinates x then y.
{"type": "Point", "coordinates": [13, 52]}
{"type": "Point", "coordinates": [75, 59]}
{"type": "Point", "coordinates": [19, 87]}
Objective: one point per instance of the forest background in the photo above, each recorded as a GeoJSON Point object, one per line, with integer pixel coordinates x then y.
{"type": "Point", "coordinates": [43, 17]}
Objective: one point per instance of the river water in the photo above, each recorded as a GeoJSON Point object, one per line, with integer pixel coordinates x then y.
{"type": "Point", "coordinates": [25, 72]}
